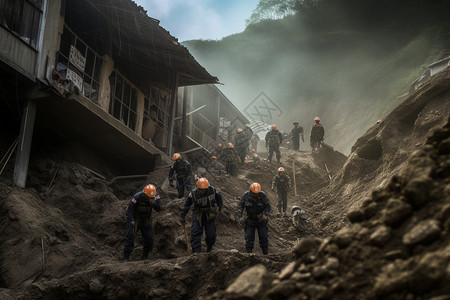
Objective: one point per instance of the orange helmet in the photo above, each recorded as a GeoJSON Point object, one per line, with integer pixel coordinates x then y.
{"type": "Point", "coordinates": [213, 157]}
{"type": "Point", "coordinates": [202, 183]}
{"type": "Point", "coordinates": [239, 130]}
{"type": "Point", "coordinates": [280, 169]}
{"type": "Point", "coordinates": [274, 127]}
{"type": "Point", "coordinates": [150, 190]}
{"type": "Point", "coordinates": [230, 145]}
{"type": "Point", "coordinates": [316, 119]}
{"type": "Point", "coordinates": [219, 145]}
{"type": "Point", "coordinates": [255, 155]}
{"type": "Point", "coordinates": [176, 156]}
{"type": "Point", "coordinates": [255, 187]}
{"type": "Point", "coordinates": [253, 150]}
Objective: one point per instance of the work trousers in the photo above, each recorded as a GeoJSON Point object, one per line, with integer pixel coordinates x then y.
{"type": "Point", "coordinates": [251, 225]}
{"type": "Point", "coordinates": [282, 200]}
{"type": "Point", "coordinates": [197, 233]}
{"type": "Point", "coordinates": [271, 151]}
{"type": "Point", "coordinates": [146, 232]}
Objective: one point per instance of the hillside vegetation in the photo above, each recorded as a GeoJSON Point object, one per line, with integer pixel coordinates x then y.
{"type": "Point", "coordinates": [345, 61]}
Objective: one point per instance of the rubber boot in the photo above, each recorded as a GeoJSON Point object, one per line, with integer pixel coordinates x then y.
{"type": "Point", "coordinates": [208, 249]}
{"type": "Point", "coordinates": [265, 251]}
{"type": "Point", "coordinates": [126, 256]}
{"type": "Point", "coordinates": [144, 256]}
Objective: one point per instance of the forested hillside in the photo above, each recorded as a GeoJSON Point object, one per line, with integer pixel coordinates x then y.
{"type": "Point", "coordinates": [346, 61]}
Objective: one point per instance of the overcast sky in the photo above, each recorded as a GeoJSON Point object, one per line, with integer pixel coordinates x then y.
{"type": "Point", "coordinates": [200, 19]}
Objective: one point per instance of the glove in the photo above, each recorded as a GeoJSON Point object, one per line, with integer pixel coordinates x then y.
{"type": "Point", "coordinates": [265, 218]}
{"type": "Point", "coordinates": [183, 220]}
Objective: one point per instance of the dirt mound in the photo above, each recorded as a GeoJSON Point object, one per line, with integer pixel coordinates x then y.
{"type": "Point", "coordinates": [63, 235]}
{"type": "Point", "coordinates": [381, 153]}
{"type": "Point", "coordinates": [397, 246]}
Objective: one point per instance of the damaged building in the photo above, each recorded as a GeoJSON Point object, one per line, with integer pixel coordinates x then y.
{"type": "Point", "coordinates": [100, 80]}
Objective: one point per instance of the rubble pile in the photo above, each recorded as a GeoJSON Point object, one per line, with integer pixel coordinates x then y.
{"type": "Point", "coordinates": [396, 247]}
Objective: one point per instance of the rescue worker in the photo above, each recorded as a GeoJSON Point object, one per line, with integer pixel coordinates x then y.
{"type": "Point", "coordinates": [241, 143]}
{"type": "Point", "coordinates": [256, 157]}
{"type": "Point", "coordinates": [207, 204]}
{"type": "Point", "coordinates": [230, 157]}
{"type": "Point", "coordinates": [281, 182]}
{"type": "Point", "coordinates": [139, 217]}
{"type": "Point", "coordinates": [295, 135]}
{"type": "Point", "coordinates": [219, 151]}
{"type": "Point", "coordinates": [257, 209]}
{"type": "Point", "coordinates": [184, 174]}
{"type": "Point", "coordinates": [254, 141]}
{"type": "Point", "coordinates": [273, 142]}
{"type": "Point", "coordinates": [317, 134]}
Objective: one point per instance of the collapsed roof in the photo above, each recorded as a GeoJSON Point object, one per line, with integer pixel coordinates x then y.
{"type": "Point", "coordinates": [136, 42]}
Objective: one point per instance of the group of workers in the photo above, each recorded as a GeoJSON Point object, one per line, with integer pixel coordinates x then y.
{"type": "Point", "coordinates": [207, 201]}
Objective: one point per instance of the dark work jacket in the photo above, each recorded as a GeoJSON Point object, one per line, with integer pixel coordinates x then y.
{"type": "Point", "coordinates": [281, 182]}
{"type": "Point", "coordinates": [139, 209]}
{"type": "Point", "coordinates": [296, 132]}
{"type": "Point", "coordinates": [254, 207]}
{"type": "Point", "coordinates": [274, 138]}
{"type": "Point", "coordinates": [182, 168]}
{"type": "Point", "coordinates": [241, 142]}
{"type": "Point", "coordinates": [210, 200]}
{"type": "Point", "coordinates": [317, 132]}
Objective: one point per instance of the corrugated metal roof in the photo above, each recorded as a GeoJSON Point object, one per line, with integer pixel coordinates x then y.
{"type": "Point", "coordinates": [136, 42]}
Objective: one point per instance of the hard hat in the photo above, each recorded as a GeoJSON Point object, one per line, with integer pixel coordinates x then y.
{"type": "Point", "coordinates": [150, 190]}
{"type": "Point", "coordinates": [294, 208]}
{"type": "Point", "coordinates": [274, 127]}
{"type": "Point", "coordinates": [288, 142]}
{"type": "Point", "coordinates": [280, 169]}
{"type": "Point", "coordinates": [176, 156]}
{"type": "Point", "coordinates": [219, 145]}
{"type": "Point", "coordinates": [239, 130]}
{"type": "Point", "coordinates": [230, 145]}
{"type": "Point", "coordinates": [202, 183]}
{"type": "Point", "coordinates": [255, 187]}
{"type": "Point", "coordinates": [213, 157]}
{"type": "Point", "coordinates": [379, 121]}
{"type": "Point", "coordinates": [316, 119]}
{"type": "Point", "coordinates": [255, 155]}
{"type": "Point", "coordinates": [253, 150]}
{"type": "Point", "coordinates": [295, 123]}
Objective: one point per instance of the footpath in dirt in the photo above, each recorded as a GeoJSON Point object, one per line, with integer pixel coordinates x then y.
{"type": "Point", "coordinates": [378, 224]}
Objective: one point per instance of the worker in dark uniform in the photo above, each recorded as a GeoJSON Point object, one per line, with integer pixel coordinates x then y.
{"type": "Point", "coordinates": [184, 174]}
{"type": "Point", "coordinates": [317, 134]}
{"type": "Point", "coordinates": [139, 217]}
{"type": "Point", "coordinates": [230, 158]}
{"type": "Point", "coordinates": [273, 142]}
{"type": "Point", "coordinates": [241, 143]}
{"type": "Point", "coordinates": [257, 210]}
{"type": "Point", "coordinates": [281, 182]}
{"type": "Point", "coordinates": [207, 204]}
{"type": "Point", "coordinates": [295, 135]}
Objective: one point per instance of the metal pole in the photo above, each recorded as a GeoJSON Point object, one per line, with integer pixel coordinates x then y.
{"type": "Point", "coordinates": [173, 106]}
{"type": "Point", "coordinates": [295, 181]}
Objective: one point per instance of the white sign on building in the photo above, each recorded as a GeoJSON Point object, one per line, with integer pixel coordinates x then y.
{"type": "Point", "coordinates": [77, 59]}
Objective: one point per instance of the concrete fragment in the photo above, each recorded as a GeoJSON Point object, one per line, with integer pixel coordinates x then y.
{"type": "Point", "coordinates": [423, 233]}
{"type": "Point", "coordinates": [396, 212]}
{"type": "Point", "coordinates": [306, 245]}
{"type": "Point", "coordinates": [380, 236]}
{"type": "Point", "coordinates": [417, 191]}
{"type": "Point", "coordinates": [346, 235]}
{"type": "Point", "coordinates": [251, 283]}
{"type": "Point", "coordinates": [287, 271]}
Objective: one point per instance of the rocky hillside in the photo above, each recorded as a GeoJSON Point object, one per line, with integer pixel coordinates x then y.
{"type": "Point", "coordinates": [396, 247]}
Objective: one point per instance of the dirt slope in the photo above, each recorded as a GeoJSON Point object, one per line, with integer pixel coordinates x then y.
{"type": "Point", "coordinates": [397, 246]}
{"type": "Point", "coordinates": [63, 236]}
{"type": "Point", "coordinates": [382, 152]}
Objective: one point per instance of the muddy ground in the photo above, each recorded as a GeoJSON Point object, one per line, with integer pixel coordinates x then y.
{"type": "Point", "coordinates": [377, 223]}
